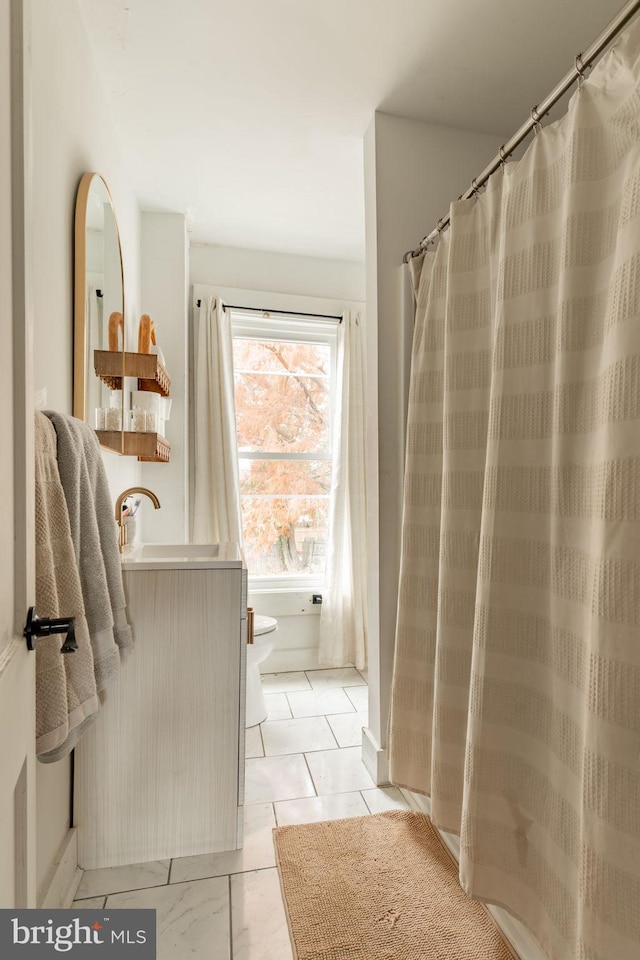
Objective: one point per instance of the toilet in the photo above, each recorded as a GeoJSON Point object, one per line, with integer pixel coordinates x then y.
{"type": "Point", "coordinates": [264, 629]}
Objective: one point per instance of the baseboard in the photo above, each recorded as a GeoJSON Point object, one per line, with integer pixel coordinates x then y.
{"type": "Point", "coordinates": [288, 661]}
{"type": "Point", "coordinates": [375, 758]}
{"type": "Point", "coordinates": [516, 933]}
{"type": "Point", "coordinates": [61, 883]}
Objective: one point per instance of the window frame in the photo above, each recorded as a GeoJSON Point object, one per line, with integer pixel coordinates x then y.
{"type": "Point", "coordinates": [269, 325]}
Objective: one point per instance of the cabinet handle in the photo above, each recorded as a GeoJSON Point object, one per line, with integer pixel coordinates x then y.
{"type": "Point", "coordinates": [249, 624]}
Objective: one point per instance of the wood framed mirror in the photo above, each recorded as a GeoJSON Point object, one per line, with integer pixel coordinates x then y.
{"type": "Point", "coordinates": [98, 299]}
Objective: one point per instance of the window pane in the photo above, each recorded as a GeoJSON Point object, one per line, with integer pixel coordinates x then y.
{"type": "Point", "coordinates": [271, 478]}
{"type": "Point", "coordinates": [285, 535]}
{"type": "Point", "coordinates": [281, 355]}
{"type": "Point", "coordinates": [283, 407]}
{"type": "Point", "coordinates": [279, 413]}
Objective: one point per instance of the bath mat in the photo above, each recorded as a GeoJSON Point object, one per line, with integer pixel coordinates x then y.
{"type": "Point", "coordinates": [382, 887]}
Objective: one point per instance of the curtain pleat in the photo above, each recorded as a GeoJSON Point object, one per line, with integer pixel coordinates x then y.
{"type": "Point", "coordinates": [216, 514]}
{"type": "Point", "coordinates": [413, 676]}
{"type": "Point", "coordinates": [516, 692]}
{"type": "Point", "coordinates": [343, 616]}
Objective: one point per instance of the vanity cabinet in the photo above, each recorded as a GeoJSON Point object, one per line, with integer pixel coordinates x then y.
{"type": "Point", "coordinates": [161, 772]}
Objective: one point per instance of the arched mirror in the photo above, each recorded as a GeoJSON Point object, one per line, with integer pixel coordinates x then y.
{"type": "Point", "coordinates": [98, 302]}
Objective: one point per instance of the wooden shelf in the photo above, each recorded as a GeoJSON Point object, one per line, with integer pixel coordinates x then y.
{"type": "Point", "coordinates": [152, 375]}
{"type": "Point", "coordinates": [110, 439]}
{"type": "Point", "coordinates": [149, 447]}
{"type": "Point", "coordinates": [108, 366]}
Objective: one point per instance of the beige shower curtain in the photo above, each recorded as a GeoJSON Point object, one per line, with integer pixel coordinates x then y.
{"type": "Point", "coordinates": [516, 693]}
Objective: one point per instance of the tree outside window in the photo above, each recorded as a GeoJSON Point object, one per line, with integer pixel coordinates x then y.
{"type": "Point", "coordinates": [283, 412]}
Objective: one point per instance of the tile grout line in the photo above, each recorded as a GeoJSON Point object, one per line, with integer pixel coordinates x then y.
{"type": "Point", "coordinates": [288, 705]}
{"type": "Point", "coordinates": [333, 733]}
{"type": "Point", "coordinates": [116, 893]}
{"type": "Point", "coordinates": [299, 753]}
{"type": "Point", "coordinates": [314, 716]}
{"type": "Point", "coordinates": [314, 796]}
{"type": "Point", "coordinates": [315, 789]}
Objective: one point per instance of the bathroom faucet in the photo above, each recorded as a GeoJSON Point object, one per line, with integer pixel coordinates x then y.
{"type": "Point", "coordinates": [122, 527]}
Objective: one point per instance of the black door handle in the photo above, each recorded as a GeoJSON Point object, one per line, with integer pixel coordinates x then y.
{"type": "Point", "coordinates": [36, 627]}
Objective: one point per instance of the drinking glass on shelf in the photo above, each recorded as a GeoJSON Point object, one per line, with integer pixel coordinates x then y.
{"type": "Point", "coordinates": [114, 418]}
{"type": "Point", "coordinates": [151, 421]}
{"type": "Point", "coordinates": [138, 420]}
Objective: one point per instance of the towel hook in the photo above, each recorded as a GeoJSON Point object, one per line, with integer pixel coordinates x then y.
{"type": "Point", "coordinates": [37, 627]}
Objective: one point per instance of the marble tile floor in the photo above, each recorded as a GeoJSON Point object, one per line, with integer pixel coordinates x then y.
{"type": "Point", "coordinates": [303, 765]}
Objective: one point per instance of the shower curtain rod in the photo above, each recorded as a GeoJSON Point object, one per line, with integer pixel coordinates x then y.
{"type": "Point", "coordinates": [581, 63]}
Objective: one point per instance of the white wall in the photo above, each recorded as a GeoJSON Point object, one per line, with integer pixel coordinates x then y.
{"type": "Point", "coordinates": [295, 645]}
{"type": "Point", "coordinates": [277, 272]}
{"type": "Point", "coordinates": [412, 172]}
{"type": "Point", "coordinates": [164, 289]}
{"type": "Point", "coordinates": [72, 133]}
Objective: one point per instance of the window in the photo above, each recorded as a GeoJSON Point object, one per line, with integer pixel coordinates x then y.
{"type": "Point", "coordinates": [284, 373]}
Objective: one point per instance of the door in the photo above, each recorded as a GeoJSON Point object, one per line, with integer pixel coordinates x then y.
{"type": "Point", "coordinates": [17, 666]}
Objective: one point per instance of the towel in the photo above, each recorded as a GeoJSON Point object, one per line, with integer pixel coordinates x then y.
{"type": "Point", "coordinates": [66, 695]}
{"type": "Point", "coordinates": [95, 540]}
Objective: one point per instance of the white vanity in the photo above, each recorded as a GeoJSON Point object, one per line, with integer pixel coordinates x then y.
{"type": "Point", "coordinates": [161, 773]}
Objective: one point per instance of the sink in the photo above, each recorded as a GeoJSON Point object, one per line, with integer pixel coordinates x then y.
{"type": "Point", "coordinates": [148, 556]}
{"type": "Point", "coordinates": [178, 549]}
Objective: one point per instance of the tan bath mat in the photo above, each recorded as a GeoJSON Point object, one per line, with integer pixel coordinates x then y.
{"type": "Point", "coordinates": [379, 888]}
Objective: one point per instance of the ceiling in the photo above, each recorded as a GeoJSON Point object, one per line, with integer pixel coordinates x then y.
{"type": "Point", "coordinates": [249, 115]}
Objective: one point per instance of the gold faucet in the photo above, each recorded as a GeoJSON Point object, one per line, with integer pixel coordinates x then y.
{"type": "Point", "coordinates": [122, 527]}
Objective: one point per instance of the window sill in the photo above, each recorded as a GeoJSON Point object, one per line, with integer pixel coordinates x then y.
{"type": "Point", "coordinates": [267, 586]}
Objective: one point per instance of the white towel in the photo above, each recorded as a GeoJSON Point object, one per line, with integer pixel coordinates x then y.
{"type": "Point", "coordinates": [66, 695]}
{"type": "Point", "coordinates": [95, 539]}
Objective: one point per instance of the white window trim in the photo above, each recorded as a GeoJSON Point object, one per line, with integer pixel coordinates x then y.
{"type": "Point", "coordinates": [294, 329]}
{"type": "Point", "coordinates": [274, 302]}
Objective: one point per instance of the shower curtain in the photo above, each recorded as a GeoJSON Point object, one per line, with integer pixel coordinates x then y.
{"type": "Point", "coordinates": [516, 690]}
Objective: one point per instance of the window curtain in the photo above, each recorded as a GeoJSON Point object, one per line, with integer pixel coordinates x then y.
{"type": "Point", "coordinates": [343, 617]}
{"type": "Point", "coordinates": [516, 688]}
{"type": "Point", "coordinates": [216, 511]}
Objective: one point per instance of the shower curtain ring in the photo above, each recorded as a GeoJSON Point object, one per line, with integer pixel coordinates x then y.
{"type": "Point", "coordinates": [503, 156]}
{"type": "Point", "coordinates": [440, 225]}
{"type": "Point", "coordinates": [474, 188]}
{"type": "Point", "coordinates": [579, 65]}
{"type": "Point", "coordinates": [535, 116]}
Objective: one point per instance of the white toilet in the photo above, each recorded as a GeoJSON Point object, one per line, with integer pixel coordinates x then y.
{"type": "Point", "coordinates": [264, 629]}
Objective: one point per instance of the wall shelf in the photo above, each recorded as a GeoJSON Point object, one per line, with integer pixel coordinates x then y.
{"type": "Point", "coordinates": [148, 447]}
{"type": "Point", "coordinates": [152, 375]}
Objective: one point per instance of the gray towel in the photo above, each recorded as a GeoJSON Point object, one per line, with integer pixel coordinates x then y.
{"type": "Point", "coordinates": [66, 695]}
{"type": "Point", "coordinates": [95, 539]}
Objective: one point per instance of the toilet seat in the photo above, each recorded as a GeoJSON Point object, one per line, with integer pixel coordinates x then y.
{"type": "Point", "coordinates": [262, 624]}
